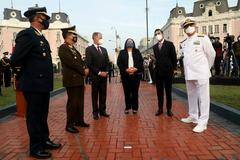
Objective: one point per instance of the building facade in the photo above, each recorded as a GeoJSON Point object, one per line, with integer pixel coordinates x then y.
{"type": "Point", "coordinates": [214, 18]}
{"type": "Point", "coordinates": [13, 22]}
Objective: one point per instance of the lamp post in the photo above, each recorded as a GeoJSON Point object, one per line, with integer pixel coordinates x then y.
{"type": "Point", "coordinates": [147, 23]}
{"type": "Point", "coordinates": [116, 39]}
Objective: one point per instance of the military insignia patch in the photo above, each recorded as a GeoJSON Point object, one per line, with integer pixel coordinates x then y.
{"type": "Point", "coordinates": [196, 43]}
{"type": "Point", "coordinates": [37, 33]}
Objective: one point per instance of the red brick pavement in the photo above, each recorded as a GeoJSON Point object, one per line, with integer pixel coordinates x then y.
{"type": "Point", "coordinates": [151, 138]}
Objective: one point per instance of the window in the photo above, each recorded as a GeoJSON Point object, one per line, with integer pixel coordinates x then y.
{"type": "Point", "coordinates": [180, 12]}
{"type": "Point", "coordinates": [204, 30]}
{"type": "Point", "coordinates": [210, 13]}
{"type": "Point", "coordinates": [216, 29]}
{"type": "Point", "coordinates": [201, 6]}
{"type": "Point", "coordinates": [210, 29]}
{"type": "Point", "coordinates": [225, 30]}
{"type": "Point", "coordinates": [218, 3]}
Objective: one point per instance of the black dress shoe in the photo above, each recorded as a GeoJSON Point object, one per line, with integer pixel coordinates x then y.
{"type": "Point", "coordinates": [82, 124]}
{"type": "Point", "coordinates": [51, 145]}
{"type": "Point", "coordinates": [41, 154]}
{"type": "Point", "coordinates": [72, 130]}
{"type": "Point", "coordinates": [159, 112]}
{"type": "Point", "coordinates": [95, 117]}
{"type": "Point", "coordinates": [104, 115]}
{"type": "Point", "coordinates": [169, 113]}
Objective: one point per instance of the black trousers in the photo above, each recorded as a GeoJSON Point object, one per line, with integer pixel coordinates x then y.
{"type": "Point", "coordinates": [75, 103]}
{"type": "Point", "coordinates": [36, 118]}
{"type": "Point", "coordinates": [217, 64]}
{"type": "Point", "coordinates": [164, 82]}
{"type": "Point", "coordinates": [99, 95]}
{"type": "Point", "coordinates": [131, 87]}
{"type": "Point", "coordinates": [7, 78]}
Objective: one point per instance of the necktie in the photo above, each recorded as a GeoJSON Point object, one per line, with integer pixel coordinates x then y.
{"type": "Point", "coordinates": [160, 45]}
{"type": "Point", "coordinates": [98, 49]}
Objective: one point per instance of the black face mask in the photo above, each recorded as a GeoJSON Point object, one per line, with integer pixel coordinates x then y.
{"type": "Point", "coordinates": [75, 39]}
{"type": "Point", "coordinates": [45, 23]}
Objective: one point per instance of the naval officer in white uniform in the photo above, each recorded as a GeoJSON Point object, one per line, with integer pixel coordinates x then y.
{"type": "Point", "coordinates": [199, 56]}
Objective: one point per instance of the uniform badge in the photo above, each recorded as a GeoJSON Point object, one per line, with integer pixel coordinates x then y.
{"type": "Point", "coordinates": [44, 54]}
{"type": "Point", "coordinates": [41, 43]}
{"type": "Point", "coordinates": [196, 43]}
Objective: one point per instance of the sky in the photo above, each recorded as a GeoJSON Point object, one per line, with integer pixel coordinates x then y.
{"type": "Point", "coordinates": [128, 17]}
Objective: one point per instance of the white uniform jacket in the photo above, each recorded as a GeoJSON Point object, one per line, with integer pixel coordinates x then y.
{"type": "Point", "coordinates": [199, 56]}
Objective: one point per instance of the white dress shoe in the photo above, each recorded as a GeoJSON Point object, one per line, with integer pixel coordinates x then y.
{"type": "Point", "coordinates": [189, 120]}
{"type": "Point", "coordinates": [199, 128]}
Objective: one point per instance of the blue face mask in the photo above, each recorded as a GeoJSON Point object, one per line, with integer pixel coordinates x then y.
{"type": "Point", "coordinates": [45, 23]}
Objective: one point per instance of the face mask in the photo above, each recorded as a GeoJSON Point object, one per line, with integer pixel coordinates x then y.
{"type": "Point", "coordinates": [100, 42]}
{"type": "Point", "coordinates": [45, 23]}
{"type": "Point", "coordinates": [75, 39]}
{"type": "Point", "coordinates": [130, 44]}
{"type": "Point", "coordinates": [238, 39]}
{"type": "Point", "coordinates": [190, 30]}
{"type": "Point", "coordinates": [159, 37]}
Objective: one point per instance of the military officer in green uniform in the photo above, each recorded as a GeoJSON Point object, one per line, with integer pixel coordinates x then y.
{"type": "Point", "coordinates": [74, 71]}
{"type": "Point", "coordinates": [33, 54]}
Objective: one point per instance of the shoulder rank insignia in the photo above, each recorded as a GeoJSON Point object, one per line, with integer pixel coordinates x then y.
{"type": "Point", "coordinates": [183, 40]}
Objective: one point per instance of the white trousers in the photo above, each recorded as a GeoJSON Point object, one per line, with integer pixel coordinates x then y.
{"type": "Point", "coordinates": [198, 100]}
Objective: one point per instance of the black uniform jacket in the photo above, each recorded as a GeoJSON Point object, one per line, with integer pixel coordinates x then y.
{"type": "Point", "coordinates": [32, 52]}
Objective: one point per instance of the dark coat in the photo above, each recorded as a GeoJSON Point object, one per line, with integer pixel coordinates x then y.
{"type": "Point", "coordinates": [72, 65]}
{"type": "Point", "coordinates": [166, 59]}
{"type": "Point", "coordinates": [122, 62]}
{"type": "Point", "coordinates": [32, 52]}
{"type": "Point", "coordinates": [97, 62]}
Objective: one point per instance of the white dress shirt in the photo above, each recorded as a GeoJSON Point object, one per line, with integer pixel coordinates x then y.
{"type": "Point", "coordinates": [130, 60]}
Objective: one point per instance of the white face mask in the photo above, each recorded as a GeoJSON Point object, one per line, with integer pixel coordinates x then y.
{"type": "Point", "coordinates": [159, 37]}
{"type": "Point", "coordinates": [190, 30]}
{"type": "Point", "coordinates": [100, 42]}
{"type": "Point", "coordinates": [238, 39]}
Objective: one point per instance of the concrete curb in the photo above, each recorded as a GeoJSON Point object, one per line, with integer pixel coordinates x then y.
{"type": "Point", "coordinates": [12, 108]}
{"type": "Point", "coordinates": [223, 110]}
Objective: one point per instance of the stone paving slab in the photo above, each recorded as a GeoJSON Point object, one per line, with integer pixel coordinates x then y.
{"type": "Point", "coordinates": [126, 137]}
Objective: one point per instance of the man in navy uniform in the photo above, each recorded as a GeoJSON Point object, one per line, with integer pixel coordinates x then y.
{"type": "Point", "coordinates": [32, 52]}
{"type": "Point", "coordinates": [6, 68]}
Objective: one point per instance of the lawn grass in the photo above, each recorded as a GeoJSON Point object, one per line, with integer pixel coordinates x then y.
{"type": "Point", "coordinates": [8, 97]}
{"type": "Point", "coordinates": [228, 95]}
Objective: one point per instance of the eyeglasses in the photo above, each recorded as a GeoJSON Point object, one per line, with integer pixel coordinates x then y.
{"type": "Point", "coordinates": [158, 33]}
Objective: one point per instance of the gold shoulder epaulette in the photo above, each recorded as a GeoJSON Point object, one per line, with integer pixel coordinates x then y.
{"type": "Point", "coordinates": [183, 40]}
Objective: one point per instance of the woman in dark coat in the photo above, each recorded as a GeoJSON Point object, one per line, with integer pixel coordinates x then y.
{"type": "Point", "coordinates": [130, 63]}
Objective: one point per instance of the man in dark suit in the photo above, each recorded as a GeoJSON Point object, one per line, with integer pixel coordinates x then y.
{"type": "Point", "coordinates": [166, 64]}
{"type": "Point", "coordinates": [98, 62]}
{"type": "Point", "coordinates": [32, 52]}
{"type": "Point", "coordinates": [73, 79]}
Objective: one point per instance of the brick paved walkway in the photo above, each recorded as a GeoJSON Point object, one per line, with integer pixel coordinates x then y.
{"type": "Point", "coordinates": [151, 138]}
